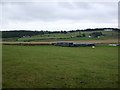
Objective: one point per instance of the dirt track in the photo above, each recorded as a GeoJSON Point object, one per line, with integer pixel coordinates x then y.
{"type": "Point", "coordinates": [49, 43]}
{"type": "Point", "coordinates": [99, 41]}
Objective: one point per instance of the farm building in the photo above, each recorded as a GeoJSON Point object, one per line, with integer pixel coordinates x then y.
{"type": "Point", "coordinates": [71, 44]}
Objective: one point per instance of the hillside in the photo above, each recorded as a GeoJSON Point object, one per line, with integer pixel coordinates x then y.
{"type": "Point", "coordinates": [74, 35]}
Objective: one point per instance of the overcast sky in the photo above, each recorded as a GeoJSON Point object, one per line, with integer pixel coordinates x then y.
{"type": "Point", "coordinates": [58, 15]}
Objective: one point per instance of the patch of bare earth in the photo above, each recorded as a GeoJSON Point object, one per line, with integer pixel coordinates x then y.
{"type": "Point", "coordinates": [48, 43]}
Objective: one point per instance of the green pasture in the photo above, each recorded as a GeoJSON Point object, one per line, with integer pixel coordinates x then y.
{"type": "Point", "coordinates": [71, 36]}
{"type": "Point", "coordinates": [59, 67]}
{"type": "Point", "coordinates": [10, 39]}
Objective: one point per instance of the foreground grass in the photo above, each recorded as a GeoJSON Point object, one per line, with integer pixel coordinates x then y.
{"type": "Point", "coordinates": [59, 67]}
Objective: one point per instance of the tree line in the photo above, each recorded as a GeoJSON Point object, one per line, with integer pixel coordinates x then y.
{"type": "Point", "coordinates": [22, 33]}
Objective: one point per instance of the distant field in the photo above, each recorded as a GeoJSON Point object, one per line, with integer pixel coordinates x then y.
{"type": "Point", "coordinates": [60, 67]}
{"type": "Point", "coordinates": [65, 37]}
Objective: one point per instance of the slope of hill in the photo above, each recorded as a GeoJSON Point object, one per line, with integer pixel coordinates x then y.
{"type": "Point", "coordinates": [31, 36]}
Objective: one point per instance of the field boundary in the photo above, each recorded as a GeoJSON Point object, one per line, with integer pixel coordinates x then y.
{"type": "Point", "coordinates": [50, 43]}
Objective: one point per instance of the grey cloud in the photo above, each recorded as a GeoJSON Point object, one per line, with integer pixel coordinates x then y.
{"type": "Point", "coordinates": [53, 11]}
{"type": "Point", "coordinates": [97, 12]}
{"type": "Point", "coordinates": [29, 11]}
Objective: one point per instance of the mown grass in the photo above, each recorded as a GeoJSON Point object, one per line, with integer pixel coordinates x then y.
{"type": "Point", "coordinates": [10, 39]}
{"type": "Point", "coordinates": [59, 67]}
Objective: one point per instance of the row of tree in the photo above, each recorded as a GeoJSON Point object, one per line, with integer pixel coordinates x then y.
{"type": "Point", "coordinates": [22, 33]}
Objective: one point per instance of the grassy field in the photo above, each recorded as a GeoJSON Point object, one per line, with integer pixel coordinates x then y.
{"type": "Point", "coordinates": [60, 67]}
{"type": "Point", "coordinates": [109, 35]}
{"type": "Point", "coordinates": [69, 37]}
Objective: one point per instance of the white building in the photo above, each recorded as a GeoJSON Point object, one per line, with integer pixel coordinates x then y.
{"type": "Point", "coordinates": [107, 29]}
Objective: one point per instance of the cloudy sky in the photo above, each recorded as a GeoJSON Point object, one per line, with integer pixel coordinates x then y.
{"type": "Point", "coordinates": [54, 16]}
